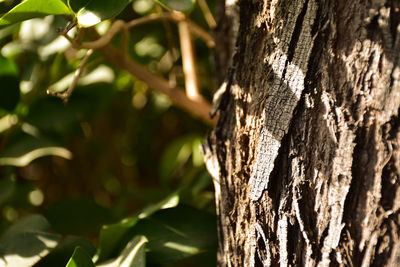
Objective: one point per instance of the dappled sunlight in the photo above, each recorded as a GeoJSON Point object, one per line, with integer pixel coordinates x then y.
{"type": "Point", "coordinates": [25, 158]}
{"type": "Point", "coordinates": [100, 158]}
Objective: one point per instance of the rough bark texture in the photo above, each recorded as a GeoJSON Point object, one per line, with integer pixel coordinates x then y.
{"type": "Point", "coordinates": [306, 151]}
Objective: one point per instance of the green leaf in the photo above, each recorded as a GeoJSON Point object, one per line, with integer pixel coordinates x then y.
{"type": "Point", "coordinates": [177, 233]}
{"type": "Point", "coordinates": [59, 119]}
{"type": "Point", "coordinates": [75, 5]}
{"type": "Point", "coordinates": [184, 6]}
{"type": "Point", "coordinates": [27, 148]}
{"type": "Point", "coordinates": [29, 223]}
{"type": "Point", "coordinates": [92, 12]}
{"type": "Point", "coordinates": [7, 188]}
{"type": "Point", "coordinates": [9, 91]}
{"type": "Point", "coordinates": [26, 242]}
{"type": "Point", "coordinates": [62, 253]}
{"type": "Point", "coordinates": [7, 67]}
{"type": "Point", "coordinates": [30, 9]}
{"type": "Point", "coordinates": [80, 258]}
{"type": "Point", "coordinates": [133, 255]}
{"type": "Point", "coordinates": [169, 202]}
{"type": "Point", "coordinates": [80, 216]}
{"type": "Point", "coordinates": [111, 235]}
{"type": "Point", "coordinates": [176, 155]}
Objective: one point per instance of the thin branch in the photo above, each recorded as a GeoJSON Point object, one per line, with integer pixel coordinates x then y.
{"type": "Point", "coordinates": [201, 33]}
{"type": "Point", "coordinates": [176, 17]}
{"type": "Point", "coordinates": [126, 35]}
{"type": "Point", "coordinates": [207, 14]}
{"type": "Point", "coordinates": [67, 94]}
{"type": "Point", "coordinates": [199, 108]}
{"type": "Point", "coordinates": [154, 17]}
{"type": "Point", "coordinates": [172, 53]}
{"type": "Point", "coordinates": [119, 25]}
{"type": "Point", "coordinates": [189, 67]}
{"type": "Point", "coordinates": [115, 28]}
{"type": "Point", "coordinates": [64, 31]}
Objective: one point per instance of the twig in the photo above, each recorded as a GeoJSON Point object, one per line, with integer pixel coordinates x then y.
{"type": "Point", "coordinates": [126, 35]}
{"type": "Point", "coordinates": [115, 28]}
{"type": "Point", "coordinates": [202, 34]}
{"type": "Point", "coordinates": [154, 17]}
{"type": "Point", "coordinates": [67, 94]}
{"type": "Point", "coordinates": [119, 25]}
{"type": "Point", "coordinates": [176, 17]}
{"type": "Point", "coordinates": [64, 31]}
{"type": "Point", "coordinates": [207, 14]}
{"type": "Point", "coordinates": [199, 108]}
{"type": "Point", "coordinates": [189, 67]}
{"type": "Point", "coordinates": [172, 53]}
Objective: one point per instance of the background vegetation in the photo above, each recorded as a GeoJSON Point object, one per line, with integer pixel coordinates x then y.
{"type": "Point", "coordinates": [115, 176]}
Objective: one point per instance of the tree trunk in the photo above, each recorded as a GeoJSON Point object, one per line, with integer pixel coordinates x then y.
{"type": "Point", "coordinates": [306, 151]}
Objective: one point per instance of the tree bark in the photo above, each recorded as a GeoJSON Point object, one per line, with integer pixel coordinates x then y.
{"type": "Point", "coordinates": [306, 152]}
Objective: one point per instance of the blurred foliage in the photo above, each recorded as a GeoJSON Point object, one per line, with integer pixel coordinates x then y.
{"type": "Point", "coordinates": [115, 177]}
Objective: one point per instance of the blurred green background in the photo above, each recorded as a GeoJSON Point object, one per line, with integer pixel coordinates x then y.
{"type": "Point", "coordinates": [111, 153]}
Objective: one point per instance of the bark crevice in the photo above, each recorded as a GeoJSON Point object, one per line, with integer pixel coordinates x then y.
{"type": "Point", "coordinates": [318, 84]}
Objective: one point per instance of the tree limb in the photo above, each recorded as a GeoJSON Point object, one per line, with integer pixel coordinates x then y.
{"type": "Point", "coordinates": [195, 104]}
{"type": "Point", "coordinates": [119, 25]}
{"type": "Point", "coordinates": [199, 108]}
{"type": "Point", "coordinates": [189, 67]}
